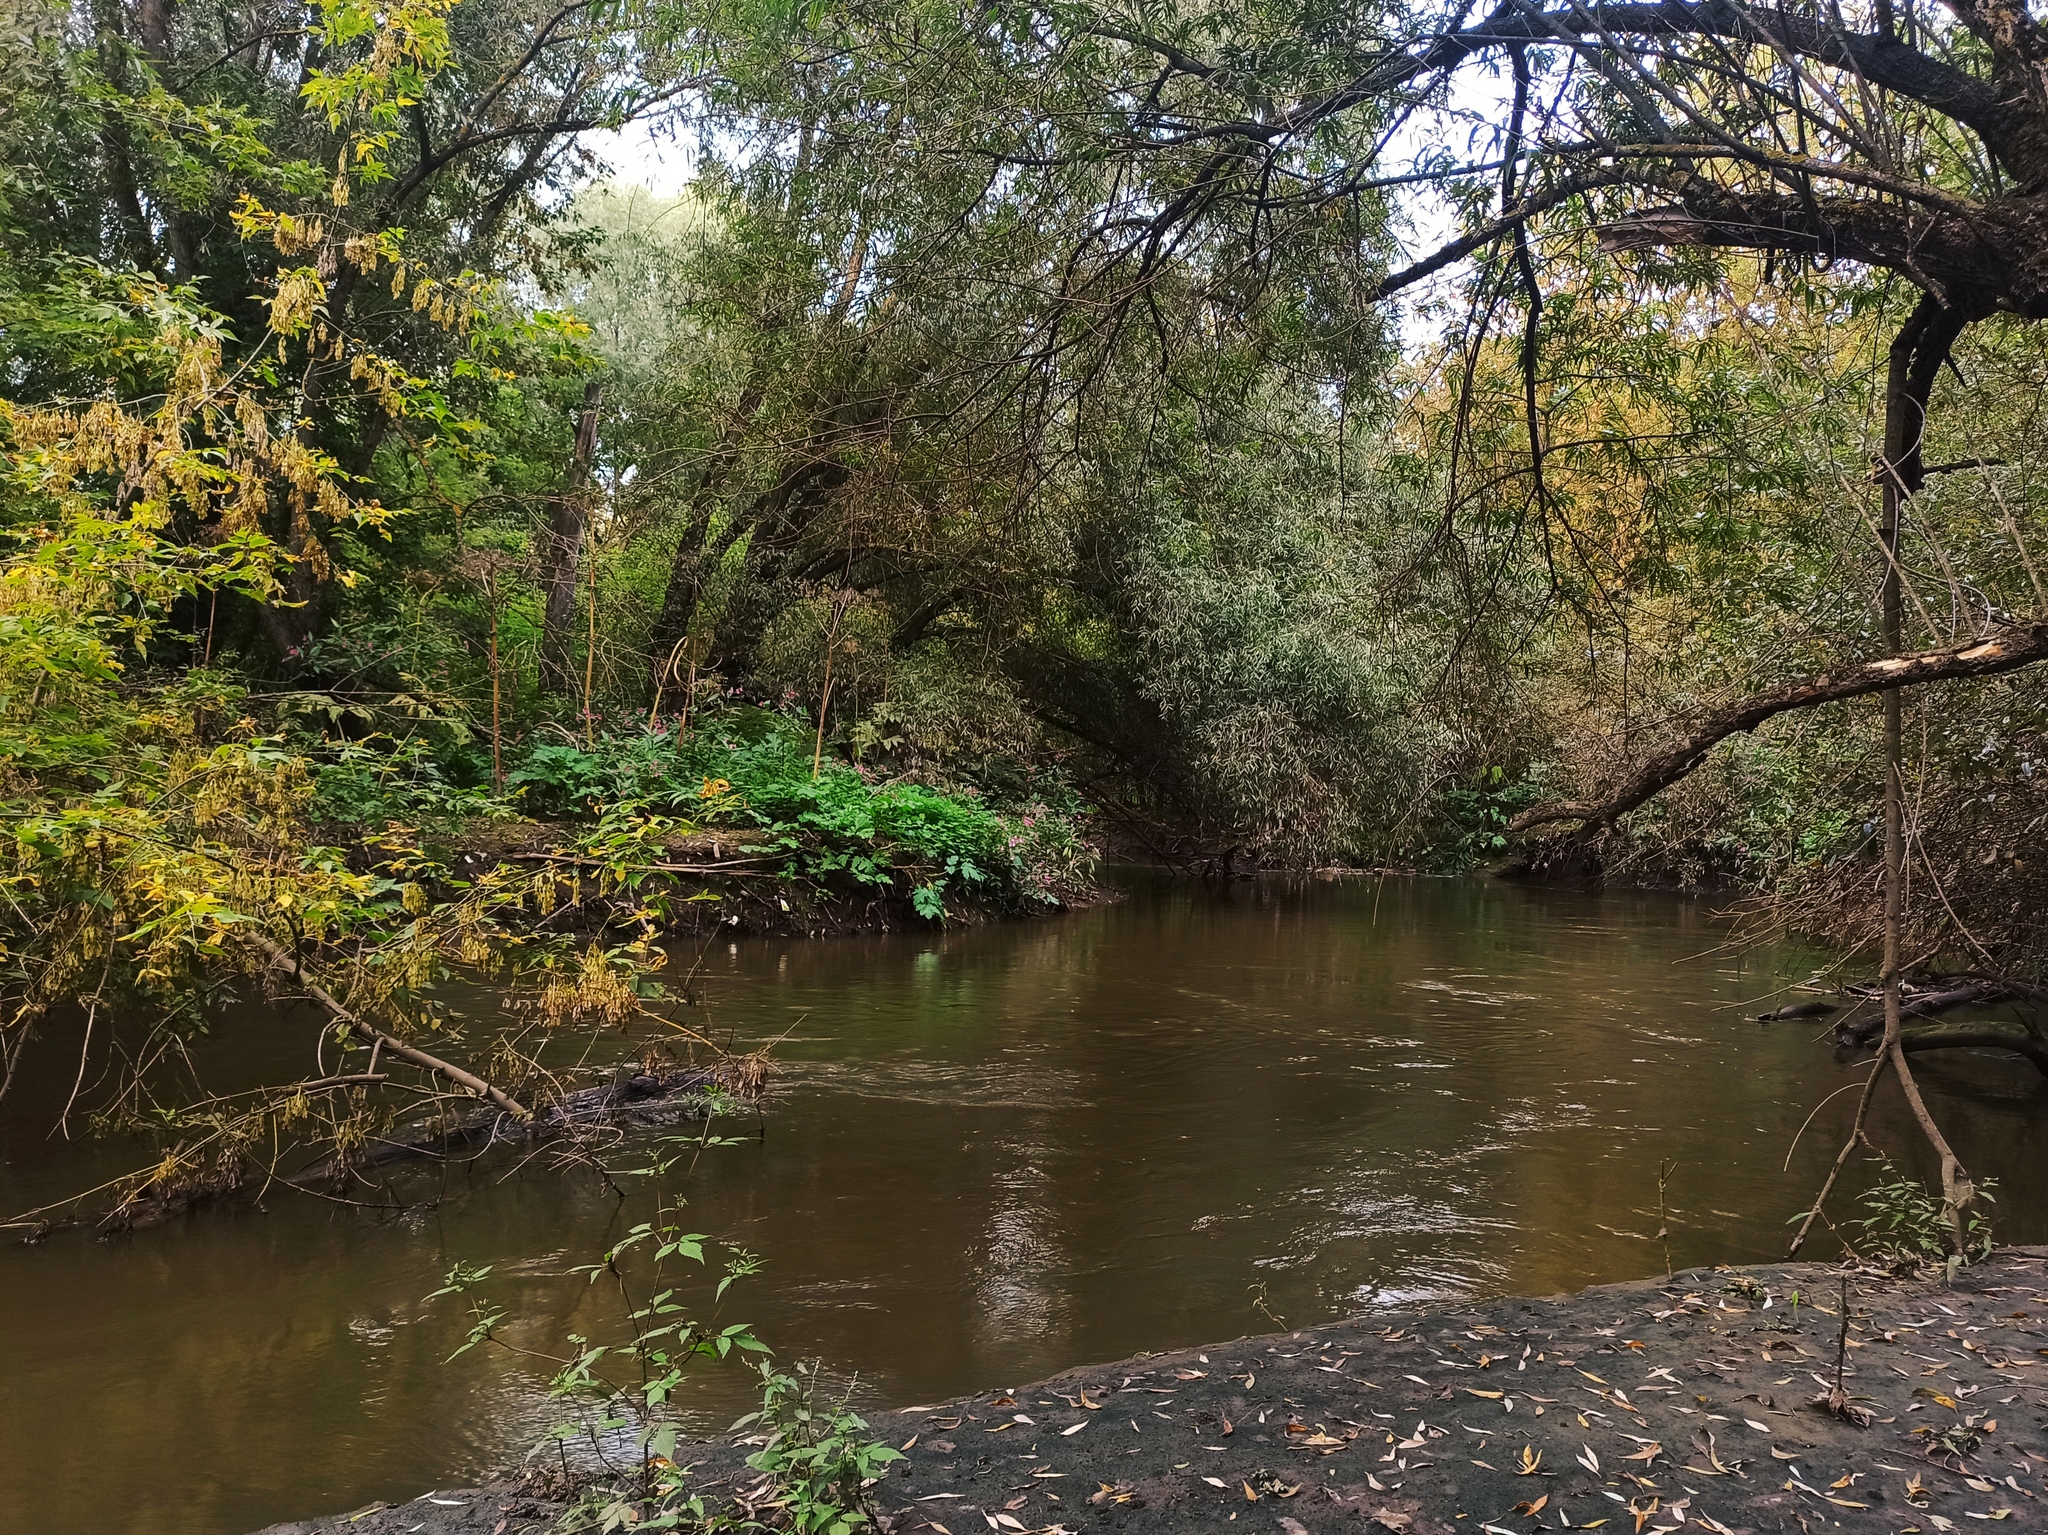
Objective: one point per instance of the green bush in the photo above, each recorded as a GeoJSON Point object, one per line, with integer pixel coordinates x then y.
{"type": "Point", "coordinates": [1016, 845]}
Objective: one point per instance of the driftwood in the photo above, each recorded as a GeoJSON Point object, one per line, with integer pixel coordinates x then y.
{"type": "Point", "coordinates": [375, 1037]}
{"type": "Point", "coordinates": [1924, 1004]}
{"type": "Point", "coordinates": [2005, 651]}
{"type": "Point", "coordinates": [1797, 1010]}
{"type": "Point", "coordinates": [628, 1095]}
{"type": "Point", "coordinates": [2021, 1038]}
{"type": "Point", "coordinates": [730, 866]}
{"type": "Point", "coordinates": [1992, 1035]}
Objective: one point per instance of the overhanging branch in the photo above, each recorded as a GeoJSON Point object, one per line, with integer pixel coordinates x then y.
{"type": "Point", "coordinates": [2006, 651]}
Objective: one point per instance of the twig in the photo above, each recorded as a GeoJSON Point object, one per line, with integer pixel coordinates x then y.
{"type": "Point", "coordinates": [1841, 1160]}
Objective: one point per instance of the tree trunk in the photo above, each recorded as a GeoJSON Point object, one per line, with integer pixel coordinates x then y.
{"type": "Point", "coordinates": [1916, 357]}
{"type": "Point", "coordinates": [562, 549]}
{"type": "Point", "coordinates": [2006, 651]}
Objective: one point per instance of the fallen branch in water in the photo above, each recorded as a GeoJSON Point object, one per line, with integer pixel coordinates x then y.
{"type": "Point", "coordinates": [371, 1035]}
{"type": "Point", "coordinates": [1992, 1035]}
{"type": "Point", "coordinates": [1923, 1004]}
{"type": "Point", "coordinates": [624, 1095]}
{"type": "Point", "coordinates": [727, 866]}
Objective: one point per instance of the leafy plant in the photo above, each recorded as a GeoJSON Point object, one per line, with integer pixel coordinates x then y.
{"type": "Point", "coordinates": [822, 1457]}
{"type": "Point", "coordinates": [1473, 818]}
{"type": "Point", "coordinates": [1907, 1223]}
{"type": "Point", "coordinates": [625, 1432]}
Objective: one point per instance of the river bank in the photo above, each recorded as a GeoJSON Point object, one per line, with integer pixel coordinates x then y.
{"type": "Point", "coordinates": [1697, 1401]}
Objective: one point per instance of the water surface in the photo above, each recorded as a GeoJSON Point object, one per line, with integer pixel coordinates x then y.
{"type": "Point", "coordinates": [994, 1153]}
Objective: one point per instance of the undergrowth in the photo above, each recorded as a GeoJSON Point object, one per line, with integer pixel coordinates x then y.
{"type": "Point", "coordinates": [836, 825]}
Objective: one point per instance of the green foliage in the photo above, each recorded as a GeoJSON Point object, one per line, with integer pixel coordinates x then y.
{"type": "Point", "coordinates": [1472, 818]}
{"type": "Point", "coordinates": [820, 1456]}
{"type": "Point", "coordinates": [1906, 1223]}
{"type": "Point", "coordinates": [750, 770]}
{"type": "Point", "coordinates": [624, 1387]}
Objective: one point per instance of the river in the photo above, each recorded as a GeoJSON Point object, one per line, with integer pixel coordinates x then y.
{"type": "Point", "coordinates": [991, 1153]}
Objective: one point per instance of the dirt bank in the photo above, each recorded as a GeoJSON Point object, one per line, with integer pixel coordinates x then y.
{"type": "Point", "coordinates": [1686, 1403]}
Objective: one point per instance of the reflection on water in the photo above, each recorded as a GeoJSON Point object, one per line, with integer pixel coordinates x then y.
{"type": "Point", "coordinates": [993, 1154]}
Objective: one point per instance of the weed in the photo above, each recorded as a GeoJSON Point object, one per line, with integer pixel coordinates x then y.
{"type": "Point", "coordinates": [821, 1458]}
{"type": "Point", "coordinates": [1908, 1224]}
{"type": "Point", "coordinates": [818, 1459]}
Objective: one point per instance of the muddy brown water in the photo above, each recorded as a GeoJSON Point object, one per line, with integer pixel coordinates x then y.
{"type": "Point", "coordinates": [993, 1153]}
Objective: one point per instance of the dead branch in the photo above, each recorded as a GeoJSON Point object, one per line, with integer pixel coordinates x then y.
{"type": "Point", "coordinates": [371, 1035]}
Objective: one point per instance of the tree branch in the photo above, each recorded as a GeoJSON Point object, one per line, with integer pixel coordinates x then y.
{"type": "Point", "coordinates": [2023, 645]}
{"type": "Point", "coordinates": [371, 1035]}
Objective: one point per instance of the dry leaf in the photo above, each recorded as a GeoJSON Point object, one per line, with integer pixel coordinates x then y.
{"type": "Point", "coordinates": [1533, 1509]}
{"type": "Point", "coordinates": [1532, 1462]}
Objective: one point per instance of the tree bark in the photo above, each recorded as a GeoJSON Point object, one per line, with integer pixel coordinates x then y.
{"type": "Point", "coordinates": [369, 1034]}
{"type": "Point", "coordinates": [1994, 1035]}
{"type": "Point", "coordinates": [562, 547]}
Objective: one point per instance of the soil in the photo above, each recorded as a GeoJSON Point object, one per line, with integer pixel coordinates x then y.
{"type": "Point", "coordinates": [1696, 1402]}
